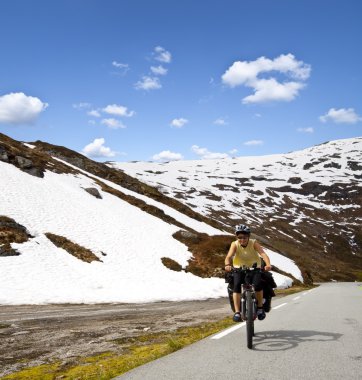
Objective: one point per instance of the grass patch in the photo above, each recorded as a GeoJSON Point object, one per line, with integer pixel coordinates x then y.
{"type": "Point", "coordinates": [358, 276]}
{"type": "Point", "coordinates": [43, 372]}
{"type": "Point", "coordinates": [292, 290]}
{"type": "Point", "coordinates": [171, 264]}
{"type": "Point", "coordinates": [74, 249]}
{"type": "Point", "coordinates": [4, 326]}
{"type": "Point", "coordinates": [138, 351]}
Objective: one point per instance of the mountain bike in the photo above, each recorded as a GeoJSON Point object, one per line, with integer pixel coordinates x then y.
{"type": "Point", "coordinates": [248, 307]}
{"type": "Point", "coordinates": [249, 303]}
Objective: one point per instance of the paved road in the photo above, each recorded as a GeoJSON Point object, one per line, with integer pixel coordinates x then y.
{"type": "Point", "coordinates": [312, 335]}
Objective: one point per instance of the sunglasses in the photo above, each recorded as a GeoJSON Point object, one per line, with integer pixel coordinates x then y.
{"type": "Point", "coordinates": [243, 237]}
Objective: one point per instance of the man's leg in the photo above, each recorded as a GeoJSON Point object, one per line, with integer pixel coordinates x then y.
{"type": "Point", "coordinates": [237, 299]}
{"type": "Point", "coordinates": [259, 298]}
{"type": "Point", "coordinates": [259, 294]}
{"type": "Point", "coordinates": [256, 281]}
{"type": "Point", "coordinates": [238, 279]}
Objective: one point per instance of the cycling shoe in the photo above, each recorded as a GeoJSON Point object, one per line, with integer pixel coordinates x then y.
{"type": "Point", "coordinates": [237, 317]}
{"type": "Point", "coordinates": [261, 314]}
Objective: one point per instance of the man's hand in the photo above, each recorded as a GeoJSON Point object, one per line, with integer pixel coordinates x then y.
{"type": "Point", "coordinates": [267, 268]}
{"type": "Point", "coordinates": [228, 268]}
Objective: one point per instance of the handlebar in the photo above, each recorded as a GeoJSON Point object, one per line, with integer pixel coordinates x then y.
{"type": "Point", "coordinates": [247, 268]}
{"type": "Point", "coordinates": [244, 268]}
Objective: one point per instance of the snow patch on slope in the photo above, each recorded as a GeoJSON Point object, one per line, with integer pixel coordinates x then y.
{"type": "Point", "coordinates": [132, 240]}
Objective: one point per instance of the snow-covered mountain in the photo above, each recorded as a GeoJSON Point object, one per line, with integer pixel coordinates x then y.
{"type": "Point", "coordinates": [74, 230]}
{"type": "Point", "coordinates": [307, 204]}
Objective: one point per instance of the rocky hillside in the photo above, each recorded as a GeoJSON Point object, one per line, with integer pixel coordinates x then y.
{"type": "Point", "coordinates": [306, 204]}
{"type": "Point", "coordinates": [36, 157]}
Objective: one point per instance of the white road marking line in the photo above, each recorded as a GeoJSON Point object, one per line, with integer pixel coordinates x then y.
{"type": "Point", "coordinates": [279, 306]}
{"type": "Point", "coordinates": [296, 298]}
{"type": "Point", "coordinates": [228, 331]}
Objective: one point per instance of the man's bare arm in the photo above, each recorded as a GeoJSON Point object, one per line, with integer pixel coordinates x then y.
{"type": "Point", "coordinates": [262, 253]}
{"type": "Point", "coordinates": [229, 256]}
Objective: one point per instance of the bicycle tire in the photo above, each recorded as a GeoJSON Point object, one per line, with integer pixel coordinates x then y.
{"type": "Point", "coordinates": [249, 320]}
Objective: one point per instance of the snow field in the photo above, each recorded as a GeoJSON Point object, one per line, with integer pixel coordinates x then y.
{"type": "Point", "coordinates": [133, 243]}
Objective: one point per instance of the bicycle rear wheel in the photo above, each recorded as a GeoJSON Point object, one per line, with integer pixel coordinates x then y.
{"type": "Point", "coordinates": [249, 320]}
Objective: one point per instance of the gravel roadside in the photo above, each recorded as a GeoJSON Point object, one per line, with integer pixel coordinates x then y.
{"type": "Point", "coordinates": [32, 335]}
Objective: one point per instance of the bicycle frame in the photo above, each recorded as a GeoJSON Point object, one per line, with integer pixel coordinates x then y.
{"type": "Point", "coordinates": [248, 288]}
{"type": "Point", "coordinates": [248, 305]}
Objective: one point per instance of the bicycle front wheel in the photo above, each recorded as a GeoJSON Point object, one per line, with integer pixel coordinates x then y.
{"type": "Point", "coordinates": [249, 320]}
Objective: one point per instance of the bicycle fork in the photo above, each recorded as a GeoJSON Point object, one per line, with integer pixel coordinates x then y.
{"type": "Point", "coordinates": [244, 305]}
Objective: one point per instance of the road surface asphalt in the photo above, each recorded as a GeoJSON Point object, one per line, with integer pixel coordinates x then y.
{"type": "Point", "coordinates": [316, 334]}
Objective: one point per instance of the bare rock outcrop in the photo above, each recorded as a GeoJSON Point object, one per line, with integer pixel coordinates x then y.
{"type": "Point", "coordinates": [93, 191]}
{"type": "Point", "coordinates": [11, 232]}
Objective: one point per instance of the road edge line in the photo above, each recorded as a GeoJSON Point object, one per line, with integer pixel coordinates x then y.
{"type": "Point", "coordinates": [279, 306]}
{"type": "Point", "coordinates": [228, 331]}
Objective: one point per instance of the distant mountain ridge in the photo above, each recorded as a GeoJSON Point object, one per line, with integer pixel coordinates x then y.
{"type": "Point", "coordinates": [307, 204]}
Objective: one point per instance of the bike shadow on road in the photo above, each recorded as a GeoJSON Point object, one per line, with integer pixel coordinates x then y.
{"type": "Point", "coordinates": [283, 340]}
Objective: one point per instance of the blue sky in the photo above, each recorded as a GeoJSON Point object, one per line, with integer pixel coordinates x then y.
{"type": "Point", "coordinates": [163, 79]}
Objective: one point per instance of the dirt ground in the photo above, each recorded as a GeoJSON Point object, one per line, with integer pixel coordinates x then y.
{"type": "Point", "coordinates": [34, 335]}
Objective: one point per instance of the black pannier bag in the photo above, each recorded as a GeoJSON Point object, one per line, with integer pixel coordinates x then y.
{"type": "Point", "coordinates": [229, 279]}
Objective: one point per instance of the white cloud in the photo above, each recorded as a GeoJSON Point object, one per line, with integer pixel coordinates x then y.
{"type": "Point", "coordinates": [178, 123]}
{"type": "Point", "coordinates": [113, 123]}
{"type": "Point", "coordinates": [97, 149]}
{"type": "Point", "coordinates": [233, 151]}
{"type": "Point", "coordinates": [306, 130]}
{"type": "Point", "coordinates": [18, 108]}
{"type": "Point", "coordinates": [148, 83]}
{"type": "Point", "coordinates": [114, 109]}
{"type": "Point", "coordinates": [162, 55]}
{"type": "Point", "coordinates": [205, 154]}
{"type": "Point", "coordinates": [81, 106]}
{"type": "Point", "coordinates": [254, 142]}
{"type": "Point", "coordinates": [220, 121]}
{"type": "Point", "coordinates": [341, 116]}
{"type": "Point", "coordinates": [120, 65]}
{"type": "Point", "coordinates": [94, 113]}
{"type": "Point", "coordinates": [269, 90]}
{"type": "Point", "coordinates": [167, 155]}
{"type": "Point", "coordinates": [159, 70]}
{"type": "Point", "coordinates": [123, 68]}
{"type": "Point", "coordinates": [151, 81]}
{"type": "Point", "coordinates": [247, 74]}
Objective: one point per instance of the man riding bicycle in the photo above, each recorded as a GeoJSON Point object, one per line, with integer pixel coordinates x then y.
{"type": "Point", "coordinates": [246, 252]}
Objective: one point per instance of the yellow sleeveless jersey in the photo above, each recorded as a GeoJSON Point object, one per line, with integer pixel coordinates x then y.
{"type": "Point", "coordinates": [246, 256]}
